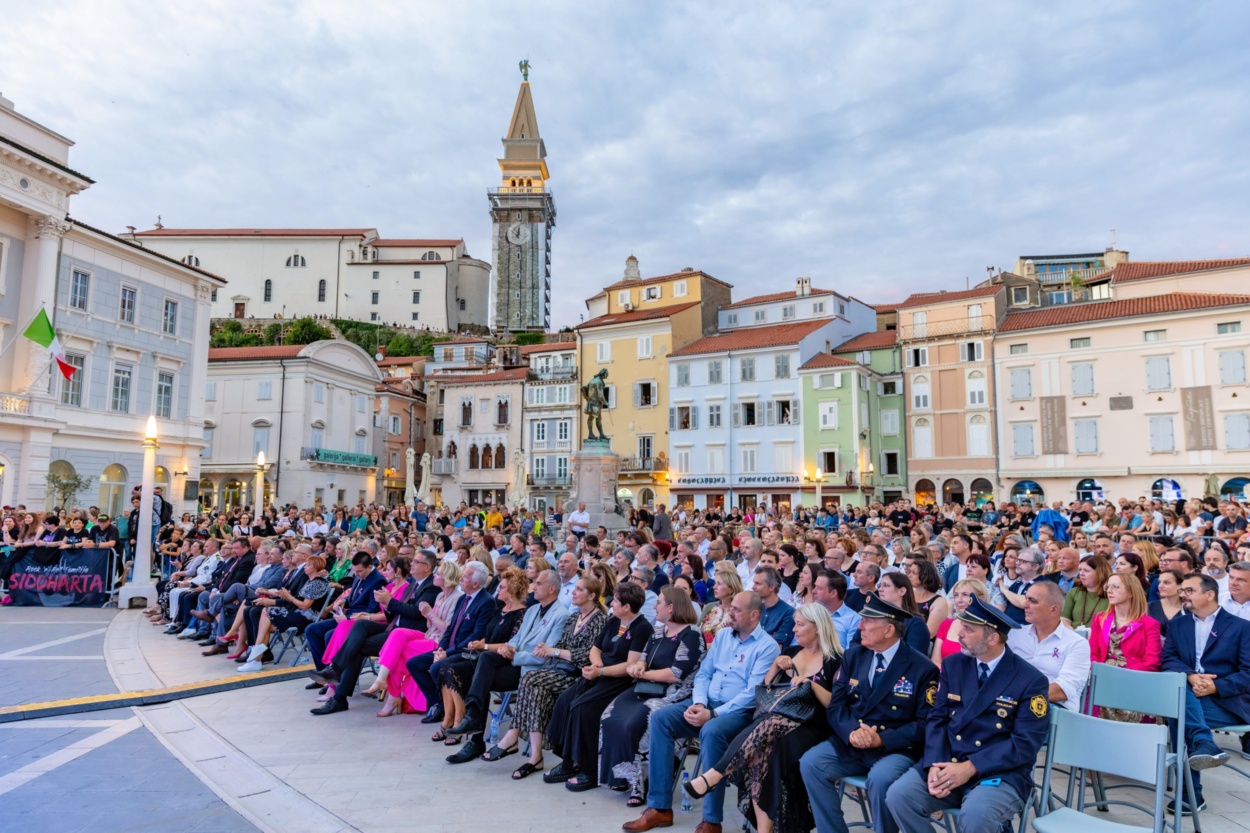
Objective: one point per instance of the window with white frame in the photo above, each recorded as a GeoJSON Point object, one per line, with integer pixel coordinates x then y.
{"type": "Point", "coordinates": [1225, 328]}
{"type": "Point", "coordinates": [1083, 379]}
{"type": "Point", "coordinates": [1155, 335]}
{"type": "Point", "coordinates": [319, 392]}
{"type": "Point", "coordinates": [646, 394]}
{"type": "Point", "coordinates": [644, 347]}
{"type": "Point", "coordinates": [828, 461]}
{"type": "Point", "coordinates": [1232, 367]}
{"type": "Point", "coordinates": [79, 287]}
{"type": "Point", "coordinates": [1017, 349]}
{"type": "Point", "coordinates": [1080, 343]}
{"type": "Point", "coordinates": [974, 317]}
{"type": "Point", "coordinates": [1237, 431]}
{"type": "Point", "coordinates": [1086, 431]}
{"type": "Point", "coordinates": [917, 356]}
{"type": "Point", "coordinates": [748, 414]}
{"type": "Point", "coordinates": [714, 372]}
{"type": "Point", "coordinates": [540, 468]}
{"type": "Point", "coordinates": [920, 324]}
{"type": "Point", "coordinates": [889, 387]}
{"type": "Point", "coordinates": [360, 404]}
{"type": "Point", "coordinates": [1021, 383]}
{"type": "Point", "coordinates": [761, 316]}
{"type": "Point", "coordinates": [260, 440]}
{"type": "Point", "coordinates": [889, 422]}
{"type": "Point", "coordinates": [164, 394]}
{"type": "Point", "coordinates": [169, 321]}
{"type": "Point", "coordinates": [317, 437]}
{"type": "Point", "coordinates": [603, 352]}
{"type": "Point", "coordinates": [818, 307]}
{"type": "Point", "coordinates": [396, 424]}
{"type": "Point", "coordinates": [746, 368]}
{"type": "Point", "coordinates": [922, 439]}
{"type": "Point", "coordinates": [358, 444]}
{"type": "Point", "coordinates": [731, 320]}
{"type": "Point", "coordinates": [622, 297]}
{"type": "Point", "coordinates": [783, 457]}
{"type": "Point", "coordinates": [681, 459]}
{"type": "Point", "coordinates": [920, 394]}
{"type": "Point", "coordinates": [748, 460]}
{"type": "Point", "coordinates": [1019, 296]}
{"type": "Point", "coordinates": [781, 367]}
{"type": "Point", "coordinates": [828, 416]}
{"type": "Point", "coordinates": [716, 461]}
{"type": "Point", "coordinates": [787, 313]}
{"type": "Point", "coordinates": [679, 289]}
{"type": "Point", "coordinates": [562, 467]}
{"type": "Point", "coordinates": [71, 388]}
{"type": "Point", "coordinates": [972, 351]}
{"type": "Point", "coordinates": [889, 463]}
{"type": "Point", "coordinates": [652, 293]}
{"type": "Point", "coordinates": [296, 261]}
{"type": "Point", "coordinates": [976, 389]}
{"type": "Point", "coordinates": [540, 432]}
{"type": "Point", "coordinates": [978, 437]}
{"type": "Point", "coordinates": [1022, 439]}
{"type": "Point", "coordinates": [714, 415]}
{"type": "Point", "coordinates": [1158, 373]}
{"type": "Point", "coordinates": [609, 393]}
{"type": "Point", "coordinates": [126, 307]}
{"type": "Point", "coordinates": [1162, 435]}
{"type": "Point", "coordinates": [207, 451]}
{"type": "Point", "coordinates": [683, 375]}
{"type": "Point", "coordinates": [119, 395]}
{"type": "Point", "coordinates": [683, 418]}
{"type": "Point", "coordinates": [264, 389]}
{"type": "Point", "coordinates": [562, 430]}
{"type": "Point", "coordinates": [563, 393]}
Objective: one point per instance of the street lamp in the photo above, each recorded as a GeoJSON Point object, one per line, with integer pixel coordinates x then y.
{"type": "Point", "coordinates": [260, 484]}
{"type": "Point", "coordinates": [142, 586]}
{"type": "Point", "coordinates": [819, 480]}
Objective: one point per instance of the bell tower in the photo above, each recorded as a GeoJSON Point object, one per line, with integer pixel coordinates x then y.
{"type": "Point", "coordinates": [522, 213]}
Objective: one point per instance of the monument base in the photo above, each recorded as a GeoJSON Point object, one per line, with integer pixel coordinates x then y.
{"type": "Point", "coordinates": [133, 590]}
{"type": "Point", "coordinates": [595, 471]}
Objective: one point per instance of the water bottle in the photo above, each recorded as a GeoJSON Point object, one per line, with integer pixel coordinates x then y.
{"type": "Point", "coordinates": [687, 803]}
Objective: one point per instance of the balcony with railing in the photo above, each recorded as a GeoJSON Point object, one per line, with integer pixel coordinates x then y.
{"type": "Point", "coordinates": [978, 325]}
{"type": "Point", "coordinates": [555, 374]}
{"type": "Point", "coordinates": [443, 465]}
{"type": "Point", "coordinates": [1079, 275]}
{"type": "Point", "coordinates": [644, 464]}
{"type": "Point", "coordinates": [338, 458]}
{"type": "Point", "coordinates": [549, 481]}
{"type": "Point", "coordinates": [13, 404]}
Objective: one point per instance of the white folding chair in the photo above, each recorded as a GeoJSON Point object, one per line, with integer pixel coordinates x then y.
{"type": "Point", "coordinates": [1137, 751]}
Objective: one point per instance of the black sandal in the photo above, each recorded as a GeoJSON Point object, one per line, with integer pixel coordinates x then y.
{"type": "Point", "coordinates": [692, 792]}
{"type": "Point", "coordinates": [497, 753]}
{"type": "Point", "coordinates": [635, 800]}
{"type": "Point", "coordinates": [527, 769]}
{"type": "Point", "coordinates": [439, 736]}
{"type": "Point", "coordinates": [452, 740]}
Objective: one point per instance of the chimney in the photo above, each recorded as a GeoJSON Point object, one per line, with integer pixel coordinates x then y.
{"type": "Point", "coordinates": [803, 287]}
{"type": "Point", "coordinates": [631, 269]}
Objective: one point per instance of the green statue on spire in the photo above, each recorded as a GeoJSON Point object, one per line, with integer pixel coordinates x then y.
{"type": "Point", "coordinates": [525, 69]}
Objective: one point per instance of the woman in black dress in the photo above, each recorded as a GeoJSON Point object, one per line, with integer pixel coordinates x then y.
{"type": "Point", "coordinates": [763, 760]}
{"type": "Point", "coordinates": [455, 677]}
{"type": "Point", "coordinates": [671, 658]}
{"type": "Point", "coordinates": [574, 727]}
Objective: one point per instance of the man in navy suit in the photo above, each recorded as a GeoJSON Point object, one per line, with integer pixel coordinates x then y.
{"type": "Point", "coordinates": [878, 705]}
{"type": "Point", "coordinates": [1218, 672]}
{"type": "Point", "coordinates": [469, 621]}
{"type": "Point", "coordinates": [357, 599]}
{"type": "Point", "coordinates": [989, 720]}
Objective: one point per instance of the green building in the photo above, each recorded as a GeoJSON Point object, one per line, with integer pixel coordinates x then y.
{"type": "Point", "coordinates": [853, 417]}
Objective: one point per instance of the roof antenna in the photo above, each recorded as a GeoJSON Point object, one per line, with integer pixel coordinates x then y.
{"type": "Point", "coordinates": [1113, 238]}
{"type": "Point", "coordinates": [158, 221]}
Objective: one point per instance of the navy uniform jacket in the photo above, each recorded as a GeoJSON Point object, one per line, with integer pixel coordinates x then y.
{"type": "Point", "coordinates": [897, 706]}
{"type": "Point", "coordinates": [915, 634]}
{"type": "Point", "coordinates": [1226, 655]}
{"type": "Point", "coordinates": [1000, 728]}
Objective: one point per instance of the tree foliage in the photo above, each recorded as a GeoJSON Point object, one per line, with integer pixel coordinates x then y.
{"type": "Point", "coordinates": [304, 331]}
{"type": "Point", "coordinates": [66, 488]}
{"type": "Point", "coordinates": [530, 338]}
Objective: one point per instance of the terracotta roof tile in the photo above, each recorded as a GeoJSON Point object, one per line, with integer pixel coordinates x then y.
{"type": "Point", "coordinates": [635, 315]}
{"type": "Point", "coordinates": [1107, 310]}
{"type": "Point", "coordinates": [775, 296]}
{"type": "Point", "coordinates": [1141, 270]}
{"type": "Point", "coordinates": [891, 307]}
{"type": "Point", "coordinates": [146, 250]}
{"type": "Point", "coordinates": [385, 242]}
{"type": "Point", "coordinates": [869, 341]}
{"type": "Point", "coordinates": [825, 360]}
{"type": "Point", "coordinates": [548, 347]}
{"type": "Point", "coordinates": [256, 232]}
{"type": "Point", "coordinates": [399, 361]}
{"type": "Point", "coordinates": [517, 375]}
{"type": "Point", "coordinates": [645, 281]}
{"type": "Point", "coordinates": [238, 354]}
{"type": "Point", "coordinates": [921, 299]}
{"type": "Point", "coordinates": [752, 338]}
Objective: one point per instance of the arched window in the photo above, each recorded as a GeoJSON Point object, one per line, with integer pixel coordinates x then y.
{"type": "Point", "coordinates": [982, 491]}
{"type": "Point", "coordinates": [113, 490]}
{"type": "Point", "coordinates": [926, 492]}
{"type": "Point", "coordinates": [503, 412]}
{"type": "Point", "coordinates": [321, 292]}
{"type": "Point", "coordinates": [296, 261]}
{"type": "Point", "coordinates": [1089, 489]}
{"type": "Point", "coordinates": [952, 491]}
{"type": "Point", "coordinates": [922, 434]}
{"type": "Point", "coordinates": [473, 458]}
{"type": "Point", "coordinates": [451, 449]}
{"type": "Point", "coordinates": [1236, 489]}
{"type": "Point", "coordinates": [1166, 489]}
{"type": "Point", "coordinates": [1027, 490]}
{"type": "Point", "coordinates": [978, 437]}
{"type": "Point", "coordinates": [501, 458]}
{"type": "Point", "coordinates": [191, 260]}
{"type": "Point", "coordinates": [268, 290]}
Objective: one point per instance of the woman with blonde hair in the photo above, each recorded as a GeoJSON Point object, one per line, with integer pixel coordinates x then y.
{"type": "Point", "coordinates": [763, 760]}
{"type": "Point", "coordinates": [1149, 556]}
{"type": "Point", "coordinates": [946, 642]}
{"type": "Point", "coordinates": [726, 584]}
{"type": "Point", "coordinates": [607, 576]}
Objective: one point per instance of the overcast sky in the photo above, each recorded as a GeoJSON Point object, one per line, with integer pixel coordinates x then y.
{"type": "Point", "coordinates": [879, 148]}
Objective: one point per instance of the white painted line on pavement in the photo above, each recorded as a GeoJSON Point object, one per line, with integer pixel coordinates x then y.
{"type": "Point", "coordinates": [51, 644]}
{"type": "Point", "coordinates": [60, 758]}
{"type": "Point", "coordinates": [55, 723]}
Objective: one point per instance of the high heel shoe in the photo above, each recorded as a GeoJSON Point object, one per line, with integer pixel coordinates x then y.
{"type": "Point", "coordinates": [391, 707]}
{"type": "Point", "coordinates": [690, 788]}
{"type": "Point", "coordinates": [239, 655]}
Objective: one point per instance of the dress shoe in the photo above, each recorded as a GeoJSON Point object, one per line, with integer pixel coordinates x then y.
{"type": "Point", "coordinates": [707, 827]}
{"type": "Point", "coordinates": [650, 818]}
{"type": "Point", "coordinates": [467, 752]}
{"type": "Point", "coordinates": [325, 676]}
{"type": "Point", "coordinates": [331, 706]}
{"type": "Point", "coordinates": [471, 725]}
{"type": "Point", "coordinates": [215, 650]}
{"type": "Point", "coordinates": [312, 686]}
{"type": "Point", "coordinates": [434, 715]}
{"type": "Point", "coordinates": [207, 643]}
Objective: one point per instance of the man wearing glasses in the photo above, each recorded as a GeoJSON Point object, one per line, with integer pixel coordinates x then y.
{"type": "Point", "coordinates": [1029, 565]}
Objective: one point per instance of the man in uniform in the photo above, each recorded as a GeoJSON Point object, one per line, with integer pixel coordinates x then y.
{"type": "Point", "coordinates": [878, 705]}
{"type": "Point", "coordinates": [988, 723]}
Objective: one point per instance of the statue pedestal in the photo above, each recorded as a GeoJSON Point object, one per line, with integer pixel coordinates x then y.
{"type": "Point", "coordinates": [595, 471]}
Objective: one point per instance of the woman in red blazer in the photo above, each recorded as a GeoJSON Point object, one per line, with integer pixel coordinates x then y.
{"type": "Point", "coordinates": [1125, 635]}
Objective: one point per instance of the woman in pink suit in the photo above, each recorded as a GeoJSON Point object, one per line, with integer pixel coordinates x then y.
{"type": "Point", "coordinates": [397, 572]}
{"type": "Point", "coordinates": [1126, 636]}
{"type": "Point", "coordinates": [403, 644]}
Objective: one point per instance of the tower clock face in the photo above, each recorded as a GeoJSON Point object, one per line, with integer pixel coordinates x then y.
{"type": "Point", "coordinates": [518, 233]}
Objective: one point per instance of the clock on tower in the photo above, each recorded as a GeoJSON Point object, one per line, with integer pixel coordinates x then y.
{"type": "Point", "coordinates": [523, 214]}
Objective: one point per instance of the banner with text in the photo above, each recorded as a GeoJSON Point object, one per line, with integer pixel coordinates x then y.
{"type": "Point", "coordinates": [1198, 415]}
{"type": "Point", "coordinates": [77, 579]}
{"type": "Point", "coordinates": [1054, 411]}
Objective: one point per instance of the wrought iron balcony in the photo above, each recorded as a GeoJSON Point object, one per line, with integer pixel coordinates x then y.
{"type": "Point", "coordinates": [644, 464]}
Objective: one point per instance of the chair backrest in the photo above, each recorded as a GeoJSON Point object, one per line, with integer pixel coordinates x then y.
{"type": "Point", "coordinates": [1160, 693]}
{"type": "Point", "coordinates": [1128, 750]}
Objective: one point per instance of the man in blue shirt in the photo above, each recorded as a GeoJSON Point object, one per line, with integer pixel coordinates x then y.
{"type": "Point", "coordinates": [830, 593]}
{"type": "Point", "coordinates": [777, 617]}
{"type": "Point", "coordinates": [420, 518]}
{"type": "Point", "coordinates": [721, 706]}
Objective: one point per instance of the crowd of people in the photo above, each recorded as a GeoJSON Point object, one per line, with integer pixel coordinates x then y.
{"type": "Point", "coordinates": [921, 647]}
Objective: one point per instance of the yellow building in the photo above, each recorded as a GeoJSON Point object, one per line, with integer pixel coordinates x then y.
{"type": "Point", "coordinates": [634, 324]}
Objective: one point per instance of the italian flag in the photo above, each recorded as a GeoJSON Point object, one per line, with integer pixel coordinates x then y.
{"type": "Point", "coordinates": [40, 331]}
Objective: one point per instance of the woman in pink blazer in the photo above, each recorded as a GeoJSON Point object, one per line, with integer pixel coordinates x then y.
{"type": "Point", "coordinates": [1125, 635]}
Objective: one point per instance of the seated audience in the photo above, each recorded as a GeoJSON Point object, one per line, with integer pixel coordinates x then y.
{"type": "Point", "coordinates": [947, 640]}
{"type": "Point", "coordinates": [1089, 595]}
{"type": "Point", "coordinates": [1051, 646]}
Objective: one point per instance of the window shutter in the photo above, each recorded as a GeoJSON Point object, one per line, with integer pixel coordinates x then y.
{"type": "Point", "coordinates": [1237, 430]}
{"type": "Point", "coordinates": [1082, 379]}
{"type": "Point", "coordinates": [880, 388]}
{"type": "Point", "coordinates": [907, 359]}
{"type": "Point", "coordinates": [816, 382]}
{"type": "Point", "coordinates": [796, 408]}
{"type": "Point", "coordinates": [694, 416]}
{"type": "Point", "coordinates": [769, 414]}
{"type": "Point", "coordinates": [1158, 373]}
{"type": "Point", "coordinates": [1232, 367]}
{"type": "Point", "coordinates": [837, 380]}
{"type": "Point", "coordinates": [737, 409]}
{"type": "Point", "coordinates": [672, 419]}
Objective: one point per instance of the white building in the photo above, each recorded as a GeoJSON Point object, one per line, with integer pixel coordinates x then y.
{"type": "Point", "coordinates": [340, 273]}
{"type": "Point", "coordinates": [309, 408]}
{"type": "Point", "coordinates": [803, 304]}
{"type": "Point", "coordinates": [131, 321]}
{"type": "Point", "coordinates": [734, 423]}
{"type": "Point", "coordinates": [552, 409]}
